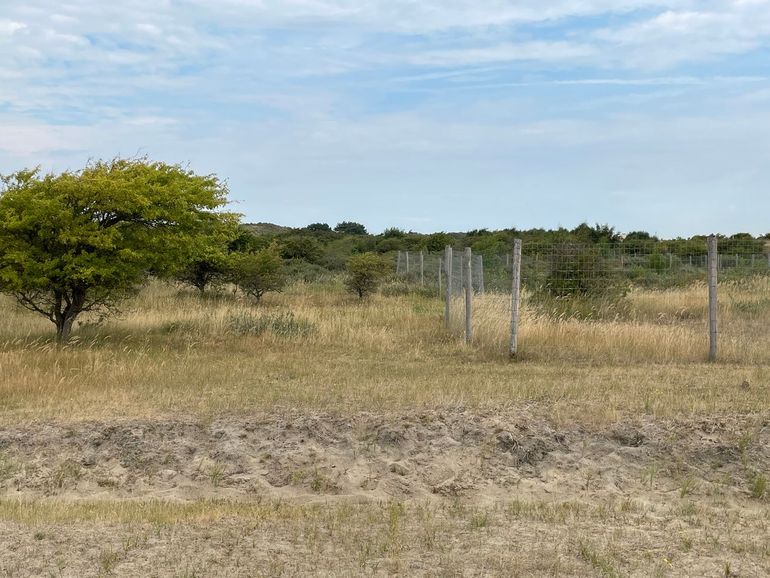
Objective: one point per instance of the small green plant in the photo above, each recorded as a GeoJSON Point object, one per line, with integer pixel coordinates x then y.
{"type": "Point", "coordinates": [649, 474]}
{"type": "Point", "coordinates": [687, 487]}
{"type": "Point", "coordinates": [758, 487]}
{"type": "Point", "coordinates": [479, 520]}
{"type": "Point", "coordinates": [599, 562]}
{"type": "Point", "coordinates": [216, 475]}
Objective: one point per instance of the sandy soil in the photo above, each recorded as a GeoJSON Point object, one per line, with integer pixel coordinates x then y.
{"type": "Point", "coordinates": [679, 497]}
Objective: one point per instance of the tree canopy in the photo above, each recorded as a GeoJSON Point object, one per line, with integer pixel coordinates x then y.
{"type": "Point", "coordinates": [82, 240]}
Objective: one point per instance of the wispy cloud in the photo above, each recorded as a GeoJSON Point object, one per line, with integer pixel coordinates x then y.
{"type": "Point", "coordinates": [306, 105]}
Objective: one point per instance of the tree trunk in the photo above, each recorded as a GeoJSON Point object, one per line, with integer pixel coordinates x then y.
{"type": "Point", "coordinates": [66, 310]}
{"type": "Point", "coordinates": [64, 328]}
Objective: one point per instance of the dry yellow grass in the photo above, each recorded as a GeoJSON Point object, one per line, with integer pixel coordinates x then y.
{"type": "Point", "coordinates": [171, 353]}
{"type": "Point", "coordinates": [186, 367]}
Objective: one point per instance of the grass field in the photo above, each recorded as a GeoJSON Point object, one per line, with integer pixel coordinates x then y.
{"type": "Point", "coordinates": [611, 447]}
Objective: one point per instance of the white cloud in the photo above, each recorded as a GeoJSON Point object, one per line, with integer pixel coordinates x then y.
{"type": "Point", "coordinates": [301, 100]}
{"type": "Point", "coordinates": [677, 37]}
{"type": "Point", "coordinates": [507, 52]}
{"type": "Point", "coordinates": [10, 26]}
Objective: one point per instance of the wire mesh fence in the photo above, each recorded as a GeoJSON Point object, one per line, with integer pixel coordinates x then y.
{"type": "Point", "coordinates": [660, 290]}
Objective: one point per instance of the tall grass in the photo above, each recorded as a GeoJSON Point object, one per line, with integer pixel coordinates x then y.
{"type": "Point", "coordinates": [170, 352]}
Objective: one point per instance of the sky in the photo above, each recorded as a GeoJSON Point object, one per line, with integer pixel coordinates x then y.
{"type": "Point", "coordinates": [426, 115]}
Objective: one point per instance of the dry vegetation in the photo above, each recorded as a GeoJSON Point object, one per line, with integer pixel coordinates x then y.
{"type": "Point", "coordinates": [682, 492]}
{"type": "Point", "coordinates": [316, 348]}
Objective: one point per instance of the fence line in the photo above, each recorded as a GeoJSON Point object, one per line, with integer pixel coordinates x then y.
{"type": "Point", "coordinates": [561, 272]}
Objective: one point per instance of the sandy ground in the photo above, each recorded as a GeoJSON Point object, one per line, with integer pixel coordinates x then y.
{"type": "Point", "coordinates": [471, 493]}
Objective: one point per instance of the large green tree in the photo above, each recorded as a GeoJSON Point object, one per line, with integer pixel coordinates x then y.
{"type": "Point", "coordinates": [83, 240]}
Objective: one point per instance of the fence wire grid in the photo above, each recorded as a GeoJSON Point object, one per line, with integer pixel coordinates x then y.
{"type": "Point", "coordinates": [655, 283]}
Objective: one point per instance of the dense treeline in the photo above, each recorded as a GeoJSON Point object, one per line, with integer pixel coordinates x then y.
{"type": "Point", "coordinates": [319, 247]}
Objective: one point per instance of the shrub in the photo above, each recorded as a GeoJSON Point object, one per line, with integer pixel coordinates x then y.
{"type": "Point", "coordinates": [576, 269]}
{"type": "Point", "coordinates": [284, 324]}
{"type": "Point", "coordinates": [365, 272]}
{"type": "Point", "coordinates": [301, 247]}
{"type": "Point", "coordinates": [350, 228]}
{"type": "Point", "coordinates": [260, 272]}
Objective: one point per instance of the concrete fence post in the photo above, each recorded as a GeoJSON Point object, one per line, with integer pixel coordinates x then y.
{"type": "Point", "coordinates": [468, 295]}
{"type": "Point", "coordinates": [448, 270]}
{"type": "Point", "coordinates": [515, 298]}
{"type": "Point", "coordinates": [713, 268]}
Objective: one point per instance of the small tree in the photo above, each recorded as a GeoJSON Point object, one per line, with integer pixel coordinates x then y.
{"type": "Point", "coordinates": [301, 247]}
{"type": "Point", "coordinates": [365, 272]}
{"type": "Point", "coordinates": [82, 241]}
{"type": "Point", "coordinates": [393, 232]}
{"type": "Point", "coordinates": [350, 228]}
{"type": "Point", "coordinates": [319, 228]}
{"type": "Point", "coordinates": [257, 273]}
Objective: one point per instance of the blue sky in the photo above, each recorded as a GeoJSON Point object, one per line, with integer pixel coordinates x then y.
{"type": "Point", "coordinates": [422, 114]}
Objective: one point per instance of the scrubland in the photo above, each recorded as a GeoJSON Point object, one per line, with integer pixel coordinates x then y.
{"type": "Point", "coordinates": [319, 434]}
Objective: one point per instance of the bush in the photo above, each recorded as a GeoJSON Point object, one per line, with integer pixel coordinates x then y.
{"type": "Point", "coordinates": [576, 269]}
{"type": "Point", "coordinates": [350, 228]}
{"type": "Point", "coordinates": [283, 324]}
{"type": "Point", "coordinates": [400, 288]}
{"type": "Point", "coordinates": [301, 247]}
{"type": "Point", "coordinates": [298, 270]}
{"type": "Point", "coordinates": [437, 241]}
{"type": "Point", "coordinates": [365, 272]}
{"type": "Point", "coordinates": [260, 272]}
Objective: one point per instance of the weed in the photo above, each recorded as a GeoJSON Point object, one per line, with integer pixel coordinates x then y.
{"type": "Point", "coordinates": [216, 474]}
{"type": "Point", "coordinates": [479, 520]}
{"type": "Point", "coordinates": [687, 487]}
{"type": "Point", "coordinates": [66, 472]}
{"type": "Point", "coordinates": [282, 324]}
{"type": "Point", "coordinates": [601, 563]}
{"type": "Point", "coordinates": [758, 486]}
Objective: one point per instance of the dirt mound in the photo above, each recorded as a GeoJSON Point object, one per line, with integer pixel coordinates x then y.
{"type": "Point", "coordinates": [427, 455]}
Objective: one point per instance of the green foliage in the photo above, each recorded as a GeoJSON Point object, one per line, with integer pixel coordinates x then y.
{"type": "Point", "coordinates": [393, 232]}
{"type": "Point", "coordinates": [492, 245]}
{"type": "Point", "coordinates": [657, 262]}
{"type": "Point", "coordinates": [209, 265]}
{"type": "Point", "coordinates": [83, 240]}
{"type": "Point", "coordinates": [436, 242]}
{"type": "Point", "coordinates": [301, 247]}
{"type": "Point", "coordinates": [577, 269]}
{"type": "Point", "coordinates": [639, 236]}
{"type": "Point", "coordinates": [350, 228]}
{"type": "Point", "coordinates": [257, 273]}
{"type": "Point", "coordinates": [596, 234]}
{"type": "Point", "coordinates": [244, 241]}
{"type": "Point", "coordinates": [319, 228]}
{"type": "Point", "coordinates": [207, 270]}
{"type": "Point", "coordinates": [365, 272]}
{"type": "Point", "coordinates": [298, 270]}
{"type": "Point", "coordinates": [389, 244]}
